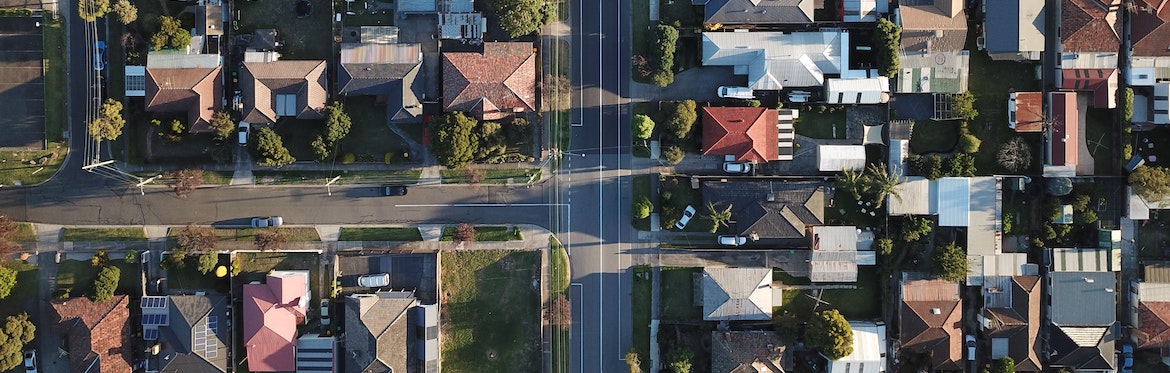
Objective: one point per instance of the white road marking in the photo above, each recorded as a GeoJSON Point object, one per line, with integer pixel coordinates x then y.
{"type": "Point", "coordinates": [489, 205]}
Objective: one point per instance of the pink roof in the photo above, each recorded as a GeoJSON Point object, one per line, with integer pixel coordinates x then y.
{"type": "Point", "coordinates": [1101, 82]}
{"type": "Point", "coordinates": [1065, 119]}
{"type": "Point", "coordinates": [750, 134]}
{"type": "Point", "coordinates": [271, 314]}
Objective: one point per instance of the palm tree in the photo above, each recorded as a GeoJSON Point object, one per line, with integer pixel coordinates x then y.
{"type": "Point", "coordinates": [718, 217]}
{"type": "Point", "coordinates": [851, 182]}
{"type": "Point", "coordinates": [883, 183]}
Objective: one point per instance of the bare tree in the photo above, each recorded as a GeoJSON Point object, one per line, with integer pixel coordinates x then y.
{"type": "Point", "coordinates": [464, 233]}
{"type": "Point", "coordinates": [184, 181]}
{"type": "Point", "coordinates": [7, 227]}
{"type": "Point", "coordinates": [558, 312]}
{"type": "Point", "coordinates": [1015, 155]}
{"type": "Point", "coordinates": [196, 239]}
{"type": "Point", "coordinates": [270, 240]}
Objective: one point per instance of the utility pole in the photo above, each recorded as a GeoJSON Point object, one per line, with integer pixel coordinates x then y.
{"type": "Point", "coordinates": [331, 181]}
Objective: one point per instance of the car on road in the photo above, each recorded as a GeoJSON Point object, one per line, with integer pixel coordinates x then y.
{"type": "Point", "coordinates": [732, 240]}
{"type": "Point", "coordinates": [969, 341]}
{"type": "Point", "coordinates": [30, 361]}
{"type": "Point", "coordinates": [242, 129]}
{"type": "Point", "coordinates": [687, 214]}
{"type": "Point", "coordinates": [99, 55]}
{"type": "Point", "coordinates": [394, 190]}
{"type": "Point", "coordinates": [325, 312]}
{"type": "Point", "coordinates": [374, 280]}
{"type": "Point", "coordinates": [267, 222]}
{"type": "Point", "coordinates": [737, 167]}
{"type": "Point", "coordinates": [1126, 358]}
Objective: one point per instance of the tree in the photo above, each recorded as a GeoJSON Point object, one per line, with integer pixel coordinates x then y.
{"type": "Point", "coordinates": [673, 154]}
{"type": "Point", "coordinates": [559, 313]}
{"type": "Point", "coordinates": [454, 144]}
{"type": "Point", "coordinates": [270, 240]}
{"type": "Point", "coordinates": [170, 34]}
{"type": "Point", "coordinates": [1151, 183]}
{"type": "Point", "coordinates": [634, 361]}
{"type": "Point", "coordinates": [961, 165]}
{"type": "Point", "coordinates": [680, 360]}
{"type": "Point", "coordinates": [851, 182]}
{"type": "Point", "coordinates": [829, 332]}
{"type": "Point", "coordinates": [7, 227]}
{"type": "Point", "coordinates": [641, 127]}
{"type": "Point", "coordinates": [337, 122]}
{"type": "Point", "coordinates": [271, 149]}
{"type": "Point", "coordinates": [719, 218]}
{"type": "Point", "coordinates": [1015, 155]}
{"type": "Point", "coordinates": [682, 119]}
{"type": "Point", "coordinates": [17, 332]}
{"type": "Point", "coordinates": [1003, 365]}
{"type": "Point", "coordinates": [99, 259]}
{"type": "Point", "coordinates": [90, 10]}
{"type": "Point", "coordinates": [197, 239]}
{"type": "Point", "coordinates": [1086, 217]}
{"type": "Point", "coordinates": [184, 181]}
{"type": "Point", "coordinates": [889, 36]}
{"type": "Point", "coordinates": [1127, 105]}
{"type": "Point", "coordinates": [932, 167]}
{"type": "Point", "coordinates": [667, 40]}
{"type": "Point", "coordinates": [642, 207]}
{"type": "Point", "coordinates": [963, 106]}
{"type": "Point", "coordinates": [950, 263]}
{"type": "Point", "coordinates": [556, 90]}
{"type": "Point", "coordinates": [968, 143]}
{"type": "Point", "coordinates": [521, 17]}
{"type": "Point", "coordinates": [175, 259]}
{"type": "Point", "coordinates": [1059, 186]}
{"type": "Point", "coordinates": [464, 233]}
{"type": "Point", "coordinates": [127, 12]}
{"type": "Point", "coordinates": [883, 246]}
{"type": "Point", "coordinates": [207, 262]}
{"type": "Point", "coordinates": [882, 183]}
{"type": "Point", "coordinates": [108, 124]}
{"type": "Point", "coordinates": [7, 281]}
{"type": "Point", "coordinates": [915, 228]}
{"type": "Point", "coordinates": [105, 284]}
{"type": "Point", "coordinates": [131, 257]}
{"type": "Point", "coordinates": [221, 124]}
{"type": "Point", "coordinates": [662, 78]}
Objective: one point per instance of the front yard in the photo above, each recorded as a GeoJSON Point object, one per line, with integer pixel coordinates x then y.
{"type": "Point", "coordinates": [491, 311]}
{"type": "Point", "coordinates": [370, 136]}
{"type": "Point", "coordinates": [76, 277]}
{"type": "Point", "coordinates": [24, 295]}
{"type": "Point", "coordinates": [678, 286]}
{"type": "Point", "coordinates": [254, 266]}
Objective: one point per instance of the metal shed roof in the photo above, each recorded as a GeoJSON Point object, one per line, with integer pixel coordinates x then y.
{"type": "Point", "coordinates": [836, 158]}
{"type": "Point", "coordinates": [954, 201]}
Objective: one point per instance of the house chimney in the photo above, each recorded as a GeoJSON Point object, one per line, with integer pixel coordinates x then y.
{"type": "Point", "coordinates": [935, 311]}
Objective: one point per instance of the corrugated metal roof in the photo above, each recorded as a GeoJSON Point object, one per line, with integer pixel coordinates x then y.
{"type": "Point", "coordinates": [381, 53]}
{"type": "Point", "coordinates": [1157, 272]}
{"type": "Point", "coordinates": [919, 197]}
{"type": "Point", "coordinates": [379, 34]}
{"type": "Point", "coordinates": [1153, 291]}
{"type": "Point", "coordinates": [1083, 298]}
{"type": "Point", "coordinates": [869, 350]}
{"type": "Point", "coordinates": [1086, 260]}
{"type": "Point", "coordinates": [954, 201]}
{"type": "Point", "coordinates": [775, 60]}
{"type": "Point", "coordinates": [840, 157]}
{"type": "Point", "coordinates": [461, 25]}
{"type": "Point", "coordinates": [983, 238]}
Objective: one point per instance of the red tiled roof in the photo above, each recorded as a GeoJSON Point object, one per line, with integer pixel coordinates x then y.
{"type": "Point", "coordinates": [1154, 322]}
{"type": "Point", "coordinates": [196, 91]}
{"type": "Point", "coordinates": [1065, 120]}
{"type": "Point", "coordinates": [750, 134]}
{"type": "Point", "coordinates": [1087, 26]}
{"type": "Point", "coordinates": [271, 313]}
{"type": "Point", "coordinates": [96, 331]}
{"type": "Point", "coordinates": [1029, 112]}
{"type": "Point", "coordinates": [1151, 28]}
{"type": "Point", "coordinates": [1101, 82]}
{"type": "Point", "coordinates": [492, 84]}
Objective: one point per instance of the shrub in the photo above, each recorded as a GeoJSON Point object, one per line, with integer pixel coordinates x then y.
{"type": "Point", "coordinates": [673, 154]}
{"type": "Point", "coordinates": [106, 283]}
{"type": "Point", "coordinates": [131, 257]}
{"type": "Point", "coordinates": [464, 233]}
{"type": "Point", "coordinates": [1127, 105]}
{"type": "Point", "coordinates": [388, 158]}
{"type": "Point", "coordinates": [348, 158]}
{"type": "Point", "coordinates": [968, 143]}
{"type": "Point", "coordinates": [641, 207]}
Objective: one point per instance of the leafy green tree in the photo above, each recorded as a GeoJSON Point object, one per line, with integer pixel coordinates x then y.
{"type": "Point", "coordinates": [207, 262]}
{"type": "Point", "coordinates": [322, 152]}
{"type": "Point", "coordinates": [662, 78]}
{"type": "Point", "coordinates": [131, 257]}
{"type": "Point", "coordinates": [105, 284]}
{"type": "Point", "coordinates": [642, 207]}
{"type": "Point", "coordinates": [90, 10]}
{"type": "Point", "coordinates": [915, 228]}
{"type": "Point", "coordinates": [1086, 217]}
{"type": "Point", "coordinates": [963, 106]}
{"type": "Point", "coordinates": [1003, 365]}
{"type": "Point", "coordinates": [108, 124]}
{"type": "Point", "coordinates": [171, 34]}
{"type": "Point", "coordinates": [222, 125]}
{"type": "Point", "coordinates": [851, 182]}
{"type": "Point", "coordinates": [968, 143]}
{"type": "Point", "coordinates": [719, 218]}
{"type": "Point", "coordinates": [1127, 105]}
{"type": "Point", "coordinates": [882, 183]}
{"type": "Point", "coordinates": [454, 143]}
{"type": "Point", "coordinates": [18, 331]}
{"type": "Point", "coordinates": [641, 127]}
{"type": "Point", "coordinates": [932, 167]}
{"type": "Point", "coordinates": [634, 361]}
{"type": "Point", "coordinates": [950, 262]}
{"type": "Point", "coordinates": [829, 332]}
{"type": "Point", "coordinates": [889, 36]}
{"type": "Point", "coordinates": [7, 281]}
{"type": "Point", "coordinates": [1151, 183]}
{"type": "Point", "coordinates": [883, 246]}
{"type": "Point", "coordinates": [521, 17]}
{"type": "Point", "coordinates": [667, 40]}
{"type": "Point", "coordinates": [127, 12]}
{"type": "Point", "coordinates": [271, 149]}
{"type": "Point", "coordinates": [673, 154]}
{"type": "Point", "coordinates": [682, 119]}
{"type": "Point", "coordinates": [175, 259]}
{"type": "Point", "coordinates": [680, 360]}
{"type": "Point", "coordinates": [337, 122]}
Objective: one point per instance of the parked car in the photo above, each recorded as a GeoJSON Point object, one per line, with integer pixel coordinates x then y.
{"type": "Point", "coordinates": [267, 222]}
{"type": "Point", "coordinates": [394, 190]}
{"type": "Point", "coordinates": [799, 96]}
{"type": "Point", "coordinates": [325, 312]}
{"type": "Point", "coordinates": [737, 167]}
{"type": "Point", "coordinates": [743, 93]}
{"type": "Point", "coordinates": [687, 214]}
{"type": "Point", "coordinates": [30, 361]}
{"type": "Point", "coordinates": [969, 341]}
{"type": "Point", "coordinates": [732, 240]}
{"type": "Point", "coordinates": [242, 129]}
{"type": "Point", "coordinates": [1126, 358]}
{"type": "Point", "coordinates": [374, 280]}
{"type": "Point", "coordinates": [99, 55]}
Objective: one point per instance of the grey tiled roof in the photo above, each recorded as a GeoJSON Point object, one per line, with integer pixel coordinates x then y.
{"type": "Point", "coordinates": [376, 331]}
{"type": "Point", "coordinates": [758, 11]}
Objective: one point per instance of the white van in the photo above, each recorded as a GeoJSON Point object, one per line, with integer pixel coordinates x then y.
{"type": "Point", "coordinates": [743, 93]}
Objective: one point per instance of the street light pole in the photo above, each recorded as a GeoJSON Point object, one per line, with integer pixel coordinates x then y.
{"type": "Point", "coordinates": [327, 188]}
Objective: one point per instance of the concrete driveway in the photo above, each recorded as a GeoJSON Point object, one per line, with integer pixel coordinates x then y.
{"type": "Point", "coordinates": [407, 271]}
{"type": "Point", "coordinates": [697, 84]}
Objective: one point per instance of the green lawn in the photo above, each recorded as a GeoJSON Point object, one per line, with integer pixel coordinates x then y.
{"type": "Point", "coordinates": [189, 278]}
{"type": "Point", "coordinates": [370, 136]}
{"type": "Point", "coordinates": [380, 234]}
{"type": "Point", "coordinates": [491, 175]}
{"type": "Point", "coordinates": [1153, 238]}
{"type": "Point", "coordinates": [846, 212]}
{"type": "Point", "coordinates": [297, 134]}
{"type": "Point", "coordinates": [558, 267]}
{"type": "Point", "coordinates": [678, 287]}
{"type": "Point", "coordinates": [787, 279]}
{"type": "Point", "coordinates": [681, 195]}
{"type": "Point", "coordinates": [641, 187]}
{"type": "Point", "coordinates": [640, 313]}
{"type": "Point", "coordinates": [78, 276]}
{"type": "Point", "coordinates": [863, 303]}
{"type": "Point", "coordinates": [347, 177]}
{"type": "Point", "coordinates": [486, 233]}
{"type": "Point", "coordinates": [934, 136]}
{"type": "Point", "coordinates": [103, 234]}
{"type": "Point", "coordinates": [990, 126]}
{"type": "Point", "coordinates": [1099, 138]}
{"type": "Point", "coordinates": [491, 312]}
{"type": "Point", "coordinates": [249, 234]}
{"type": "Point", "coordinates": [31, 167]}
{"type": "Point", "coordinates": [24, 295]}
{"type": "Point", "coordinates": [306, 38]}
{"type": "Point", "coordinates": [821, 125]}
{"type": "Point", "coordinates": [54, 79]}
{"type": "Point", "coordinates": [24, 233]}
{"type": "Point", "coordinates": [643, 36]}
{"type": "Point", "coordinates": [254, 266]}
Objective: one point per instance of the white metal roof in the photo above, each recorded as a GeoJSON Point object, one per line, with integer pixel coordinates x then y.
{"type": "Point", "coordinates": [857, 91]}
{"type": "Point", "coordinates": [836, 158]}
{"type": "Point", "coordinates": [983, 233]}
{"type": "Point", "coordinates": [919, 197]}
{"type": "Point", "coordinates": [869, 350]}
{"type": "Point", "coordinates": [1153, 292]}
{"type": "Point", "coordinates": [1086, 259]}
{"type": "Point", "coordinates": [774, 60]}
{"type": "Point", "coordinates": [954, 201]}
{"type": "Point", "coordinates": [1161, 103]}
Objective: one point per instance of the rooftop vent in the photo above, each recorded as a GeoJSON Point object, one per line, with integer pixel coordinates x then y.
{"type": "Point", "coordinates": [935, 311]}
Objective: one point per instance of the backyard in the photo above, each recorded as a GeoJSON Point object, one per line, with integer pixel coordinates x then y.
{"type": "Point", "coordinates": [307, 38]}
{"type": "Point", "coordinates": [821, 124]}
{"type": "Point", "coordinates": [1099, 138]}
{"type": "Point", "coordinates": [934, 137]}
{"type": "Point", "coordinates": [862, 303]}
{"type": "Point", "coordinates": [990, 125]}
{"type": "Point", "coordinates": [491, 312]}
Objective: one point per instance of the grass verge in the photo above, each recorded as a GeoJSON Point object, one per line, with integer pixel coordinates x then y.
{"type": "Point", "coordinates": [491, 312]}
{"type": "Point", "coordinates": [641, 188]}
{"type": "Point", "coordinates": [380, 234]}
{"type": "Point", "coordinates": [31, 167]}
{"type": "Point", "coordinates": [486, 233]}
{"type": "Point", "coordinates": [54, 39]}
{"type": "Point", "coordinates": [679, 283]}
{"type": "Point", "coordinates": [640, 313]}
{"type": "Point", "coordinates": [491, 175]}
{"type": "Point", "coordinates": [249, 234]}
{"type": "Point", "coordinates": [559, 286]}
{"type": "Point", "coordinates": [641, 33]}
{"type": "Point", "coordinates": [103, 234]}
{"type": "Point", "coordinates": [24, 233]}
{"type": "Point", "coordinates": [347, 177]}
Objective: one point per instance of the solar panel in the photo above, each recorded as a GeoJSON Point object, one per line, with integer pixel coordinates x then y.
{"type": "Point", "coordinates": [154, 319]}
{"type": "Point", "coordinates": [150, 334]}
{"type": "Point", "coordinates": [213, 323]}
{"type": "Point", "coordinates": [154, 302]}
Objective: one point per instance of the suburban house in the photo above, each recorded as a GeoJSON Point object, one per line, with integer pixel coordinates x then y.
{"type": "Point", "coordinates": [756, 135]}
{"type": "Point", "coordinates": [457, 19]}
{"type": "Point", "coordinates": [770, 211]}
{"type": "Point", "coordinates": [869, 350]}
{"type": "Point", "coordinates": [930, 320]}
{"type": "Point", "coordinates": [1013, 29]}
{"type": "Point", "coordinates": [387, 331]}
{"type": "Point", "coordinates": [387, 71]}
{"type": "Point", "coordinates": [272, 311]}
{"type": "Point", "coordinates": [749, 351]}
{"type": "Point", "coordinates": [1101, 85]}
{"type": "Point", "coordinates": [1089, 26]}
{"type": "Point", "coordinates": [95, 334]}
{"type": "Point", "coordinates": [194, 90]}
{"type": "Point", "coordinates": [493, 84]}
{"type": "Point", "coordinates": [930, 26]}
{"type": "Point", "coordinates": [1150, 25]}
{"type": "Point", "coordinates": [1026, 111]}
{"type": "Point", "coordinates": [837, 158]}
{"type": "Point", "coordinates": [864, 10]}
{"type": "Point", "coordinates": [1150, 309]}
{"type": "Point", "coordinates": [1011, 319]}
{"type": "Point", "coordinates": [756, 12]}
{"type": "Point", "coordinates": [958, 202]}
{"type": "Point", "coordinates": [284, 88]}
{"type": "Point", "coordinates": [190, 332]}
{"type": "Point", "coordinates": [777, 60]}
{"type": "Point", "coordinates": [1061, 152]}
{"type": "Point", "coordinates": [738, 294]}
{"type": "Point", "coordinates": [1083, 317]}
{"type": "Point", "coordinates": [837, 251]}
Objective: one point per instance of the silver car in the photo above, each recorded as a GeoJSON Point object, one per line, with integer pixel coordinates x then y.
{"type": "Point", "coordinates": [267, 222]}
{"type": "Point", "coordinates": [374, 280]}
{"type": "Point", "coordinates": [737, 167]}
{"type": "Point", "coordinates": [732, 240]}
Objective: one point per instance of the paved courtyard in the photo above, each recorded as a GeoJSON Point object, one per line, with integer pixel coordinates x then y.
{"type": "Point", "coordinates": [407, 271]}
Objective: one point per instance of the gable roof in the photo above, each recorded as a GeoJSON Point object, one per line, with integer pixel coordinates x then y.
{"type": "Point", "coordinates": [1153, 320]}
{"type": "Point", "coordinates": [1013, 26]}
{"type": "Point", "coordinates": [1151, 28]}
{"type": "Point", "coordinates": [1102, 83]}
{"type": "Point", "coordinates": [98, 332]}
{"type": "Point", "coordinates": [1088, 26]}
{"type": "Point", "coordinates": [272, 311]}
{"type": "Point", "coordinates": [737, 294]}
{"type": "Point", "coordinates": [1019, 322]}
{"type": "Point", "coordinates": [388, 70]}
{"type": "Point", "coordinates": [1028, 109]}
{"type": "Point", "coordinates": [491, 84]}
{"type": "Point", "coordinates": [196, 91]}
{"type": "Point", "coordinates": [749, 351]}
{"type": "Point", "coordinates": [933, 25]}
{"type": "Point", "coordinates": [376, 331]}
{"type": "Point", "coordinates": [774, 60]}
{"type": "Point", "coordinates": [770, 209]}
{"type": "Point", "coordinates": [1062, 145]}
{"type": "Point", "coordinates": [1087, 348]}
{"type": "Point", "coordinates": [737, 12]}
{"type": "Point", "coordinates": [196, 340]}
{"type": "Point", "coordinates": [750, 134]}
{"type": "Point", "coordinates": [930, 317]}
{"type": "Point", "coordinates": [262, 82]}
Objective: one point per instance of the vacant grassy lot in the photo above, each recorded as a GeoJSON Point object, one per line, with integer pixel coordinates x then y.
{"type": "Point", "coordinates": [103, 234]}
{"type": "Point", "coordinates": [491, 175]}
{"type": "Point", "coordinates": [24, 296]}
{"type": "Point", "coordinates": [255, 266]}
{"type": "Point", "coordinates": [679, 283]}
{"type": "Point", "coordinates": [380, 234]}
{"type": "Point", "coordinates": [347, 177]}
{"type": "Point", "coordinates": [78, 276]}
{"type": "Point", "coordinates": [640, 313]}
{"type": "Point", "coordinates": [862, 303]}
{"type": "Point", "coordinates": [821, 125]}
{"type": "Point", "coordinates": [308, 38]}
{"type": "Point", "coordinates": [31, 167]}
{"type": "Point", "coordinates": [486, 233]}
{"type": "Point", "coordinates": [934, 136]}
{"type": "Point", "coordinates": [189, 278]}
{"type": "Point", "coordinates": [491, 311]}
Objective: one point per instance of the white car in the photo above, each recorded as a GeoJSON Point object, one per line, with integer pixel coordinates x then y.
{"type": "Point", "coordinates": [737, 167]}
{"type": "Point", "coordinates": [743, 93]}
{"type": "Point", "coordinates": [30, 361]}
{"type": "Point", "coordinates": [687, 214]}
{"type": "Point", "coordinates": [799, 96]}
{"type": "Point", "coordinates": [732, 240]}
{"type": "Point", "coordinates": [268, 222]}
{"type": "Point", "coordinates": [375, 280]}
{"type": "Point", "coordinates": [969, 341]}
{"type": "Point", "coordinates": [242, 129]}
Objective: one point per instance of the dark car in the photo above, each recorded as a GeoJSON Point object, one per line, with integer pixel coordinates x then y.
{"type": "Point", "coordinates": [394, 190]}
